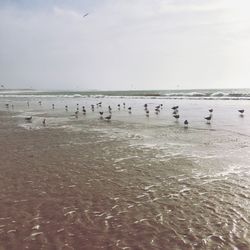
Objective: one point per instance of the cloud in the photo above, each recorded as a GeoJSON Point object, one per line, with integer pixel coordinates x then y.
{"type": "Point", "coordinates": [150, 44]}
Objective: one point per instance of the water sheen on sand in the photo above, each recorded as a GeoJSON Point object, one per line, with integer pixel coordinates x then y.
{"type": "Point", "coordinates": [132, 183]}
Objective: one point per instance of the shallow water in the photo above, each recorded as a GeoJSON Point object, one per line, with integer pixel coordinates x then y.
{"type": "Point", "coordinates": [135, 182]}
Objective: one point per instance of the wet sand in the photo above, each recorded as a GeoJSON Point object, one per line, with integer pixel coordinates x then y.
{"type": "Point", "coordinates": [81, 190]}
{"type": "Point", "coordinates": [53, 194]}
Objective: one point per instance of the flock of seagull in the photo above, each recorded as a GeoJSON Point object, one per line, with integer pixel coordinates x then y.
{"type": "Point", "coordinates": [157, 110]}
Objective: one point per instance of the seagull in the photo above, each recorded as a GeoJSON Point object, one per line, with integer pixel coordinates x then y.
{"type": "Point", "coordinates": [108, 118]}
{"type": "Point", "coordinates": [241, 111]}
{"type": "Point", "coordinates": [28, 119]}
{"type": "Point", "coordinates": [211, 110]}
{"type": "Point", "coordinates": [157, 110]}
{"type": "Point", "coordinates": [176, 116]}
{"type": "Point", "coordinates": [110, 109]}
{"type": "Point", "coordinates": [101, 115]}
{"type": "Point", "coordinates": [175, 107]}
{"type": "Point", "coordinates": [208, 118]}
{"type": "Point", "coordinates": [85, 15]}
{"type": "Point", "coordinates": [186, 123]}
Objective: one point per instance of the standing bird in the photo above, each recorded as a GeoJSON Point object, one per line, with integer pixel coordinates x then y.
{"type": "Point", "coordinates": [208, 118]}
{"type": "Point", "coordinates": [108, 118]}
{"type": "Point", "coordinates": [176, 116]}
{"type": "Point", "coordinates": [28, 119]}
{"type": "Point", "coordinates": [110, 109]}
{"type": "Point", "coordinates": [44, 122]}
{"type": "Point", "coordinates": [175, 107]}
{"type": "Point", "coordinates": [211, 110]}
{"type": "Point", "coordinates": [186, 123]}
{"type": "Point", "coordinates": [157, 111]}
{"type": "Point", "coordinates": [241, 112]}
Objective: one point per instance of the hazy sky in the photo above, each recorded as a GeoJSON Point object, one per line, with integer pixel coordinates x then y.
{"type": "Point", "coordinates": [125, 44]}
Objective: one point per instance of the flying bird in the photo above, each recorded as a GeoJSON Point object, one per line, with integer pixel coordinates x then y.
{"type": "Point", "coordinates": [85, 15]}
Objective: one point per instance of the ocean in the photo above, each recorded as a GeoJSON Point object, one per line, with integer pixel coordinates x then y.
{"type": "Point", "coordinates": [137, 181]}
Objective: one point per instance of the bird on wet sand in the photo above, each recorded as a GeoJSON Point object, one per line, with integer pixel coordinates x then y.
{"type": "Point", "coordinates": [186, 123]}
{"type": "Point", "coordinates": [28, 118]}
{"type": "Point", "coordinates": [208, 118]}
{"type": "Point", "coordinates": [176, 116]}
{"type": "Point", "coordinates": [108, 118]}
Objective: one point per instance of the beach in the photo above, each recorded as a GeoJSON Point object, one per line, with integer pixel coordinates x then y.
{"type": "Point", "coordinates": [131, 183]}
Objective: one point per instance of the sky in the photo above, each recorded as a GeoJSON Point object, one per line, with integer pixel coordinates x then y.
{"type": "Point", "coordinates": [124, 44]}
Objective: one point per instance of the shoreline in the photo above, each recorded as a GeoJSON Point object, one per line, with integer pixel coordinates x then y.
{"type": "Point", "coordinates": [89, 189]}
